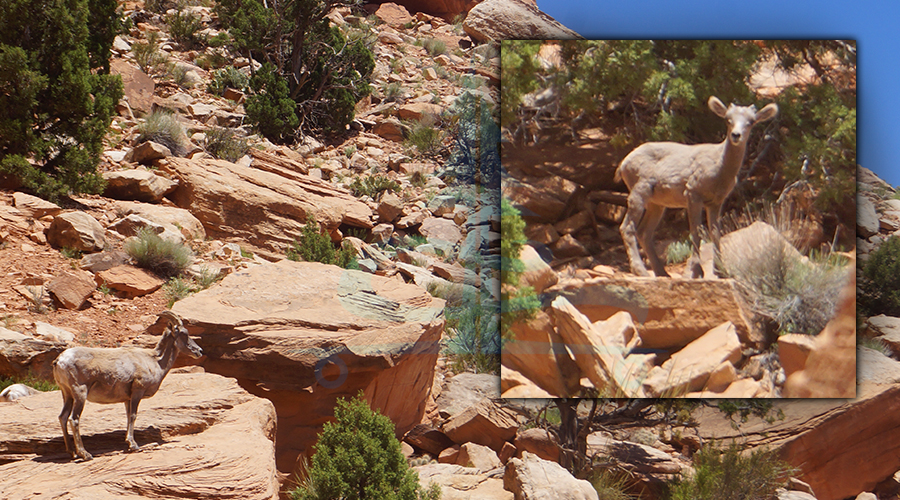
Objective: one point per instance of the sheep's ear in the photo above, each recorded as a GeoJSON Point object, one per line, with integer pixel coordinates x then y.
{"type": "Point", "coordinates": [717, 107]}
{"type": "Point", "coordinates": [767, 113]}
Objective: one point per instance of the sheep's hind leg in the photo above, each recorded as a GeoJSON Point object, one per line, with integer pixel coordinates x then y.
{"type": "Point", "coordinates": [68, 402]}
{"type": "Point", "coordinates": [131, 408]}
{"type": "Point", "coordinates": [78, 407]}
{"type": "Point", "coordinates": [646, 231]}
{"type": "Point", "coordinates": [633, 214]}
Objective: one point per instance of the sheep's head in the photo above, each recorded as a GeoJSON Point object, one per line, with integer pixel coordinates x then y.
{"type": "Point", "coordinates": [183, 342]}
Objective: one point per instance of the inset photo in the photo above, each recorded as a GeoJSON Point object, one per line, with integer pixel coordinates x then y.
{"type": "Point", "coordinates": [678, 218]}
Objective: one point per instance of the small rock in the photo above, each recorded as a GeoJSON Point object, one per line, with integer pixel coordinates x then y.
{"type": "Point", "coordinates": [132, 281]}
{"type": "Point", "coordinates": [146, 152]}
{"type": "Point", "coordinates": [76, 230]}
{"type": "Point", "coordinates": [72, 288]}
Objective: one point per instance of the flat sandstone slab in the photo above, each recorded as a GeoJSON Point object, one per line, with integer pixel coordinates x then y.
{"type": "Point", "coordinates": [202, 437]}
{"type": "Point", "coordinates": [667, 312]}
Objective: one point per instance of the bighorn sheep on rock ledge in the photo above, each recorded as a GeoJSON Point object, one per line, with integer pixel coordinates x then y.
{"type": "Point", "coordinates": [664, 175]}
{"type": "Point", "coordinates": [119, 375]}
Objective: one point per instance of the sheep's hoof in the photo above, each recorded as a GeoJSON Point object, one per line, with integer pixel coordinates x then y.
{"type": "Point", "coordinates": [133, 448]}
{"type": "Point", "coordinates": [86, 456]}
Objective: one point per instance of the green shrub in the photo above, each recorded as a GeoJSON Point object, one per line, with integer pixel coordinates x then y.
{"type": "Point", "coordinates": [373, 186]}
{"type": "Point", "coordinates": [147, 54]}
{"type": "Point", "coordinates": [392, 92]}
{"type": "Point", "coordinates": [799, 294]}
{"type": "Point", "coordinates": [184, 27]}
{"type": "Point", "coordinates": [29, 380]}
{"type": "Point", "coordinates": [879, 281]}
{"type": "Point", "coordinates": [220, 40]}
{"type": "Point", "coordinates": [473, 340]}
{"type": "Point", "coordinates": [418, 179]}
{"type": "Point", "coordinates": [323, 70]}
{"type": "Point", "coordinates": [317, 247]}
{"type": "Point", "coordinates": [57, 97]}
{"type": "Point", "coordinates": [678, 252]}
{"type": "Point", "coordinates": [270, 107]}
{"type": "Point", "coordinates": [876, 344]}
{"type": "Point", "coordinates": [475, 152]}
{"type": "Point", "coordinates": [424, 137]}
{"type": "Point", "coordinates": [434, 47]}
{"type": "Point", "coordinates": [517, 303]}
{"type": "Point", "coordinates": [163, 257]}
{"type": "Point", "coordinates": [178, 74]}
{"type": "Point", "coordinates": [176, 289]}
{"type": "Point", "coordinates": [611, 485]}
{"type": "Point", "coordinates": [730, 475]}
{"type": "Point", "coordinates": [163, 128]}
{"type": "Point", "coordinates": [358, 457]}
{"type": "Point", "coordinates": [224, 144]}
{"type": "Point", "coordinates": [225, 78]}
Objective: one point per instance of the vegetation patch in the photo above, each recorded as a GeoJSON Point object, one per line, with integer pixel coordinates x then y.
{"type": "Point", "coordinates": [224, 144]}
{"type": "Point", "coordinates": [163, 257]}
{"type": "Point", "coordinates": [314, 246]}
{"type": "Point", "coordinates": [358, 457]}
{"type": "Point", "coordinates": [163, 128]}
{"type": "Point", "coordinates": [731, 475]}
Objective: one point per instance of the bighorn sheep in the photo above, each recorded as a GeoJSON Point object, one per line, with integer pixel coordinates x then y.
{"type": "Point", "coordinates": [116, 375]}
{"type": "Point", "coordinates": [662, 175]}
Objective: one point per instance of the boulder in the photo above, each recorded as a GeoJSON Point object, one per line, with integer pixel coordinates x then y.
{"type": "Point", "coordinates": [76, 230]}
{"type": "Point", "coordinates": [824, 438]}
{"type": "Point", "coordinates": [462, 483]}
{"type": "Point", "coordinates": [147, 152]}
{"type": "Point", "coordinates": [830, 369]}
{"type": "Point", "coordinates": [171, 218]}
{"type": "Point", "coordinates": [72, 288]}
{"type": "Point", "coordinates": [537, 441]}
{"type": "Point", "coordinates": [465, 390]}
{"type": "Point", "coordinates": [429, 439]}
{"type": "Point", "coordinates": [140, 185]}
{"type": "Point", "coordinates": [22, 356]}
{"type": "Point", "coordinates": [690, 368]}
{"type": "Point", "coordinates": [131, 281]}
{"type": "Point", "coordinates": [265, 209]}
{"type": "Point", "coordinates": [456, 273]}
{"type": "Point", "coordinates": [198, 433]}
{"type": "Point", "coordinates": [478, 456]}
{"type": "Point", "coordinates": [391, 129]}
{"type": "Point", "coordinates": [793, 350]}
{"type": "Point", "coordinates": [440, 230]}
{"type": "Point", "coordinates": [599, 359]}
{"type": "Point", "coordinates": [532, 478]}
{"type": "Point", "coordinates": [138, 87]}
{"type": "Point", "coordinates": [533, 351]}
{"type": "Point", "coordinates": [393, 15]}
{"type": "Point", "coordinates": [132, 225]}
{"type": "Point", "coordinates": [537, 274]}
{"type": "Point", "coordinates": [866, 217]}
{"type": "Point", "coordinates": [420, 111]}
{"type": "Point", "coordinates": [446, 9]}
{"type": "Point", "coordinates": [484, 423]}
{"type": "Point", "coordinates": [34, 207]}
{"type": "Point", "coordinates": [322, 333]}
{"type": "Point", "coordinates": [668, 313]}
{"type": "Point", "coordinates": [390, 207]}
{"type": "Point", "coordinates": [102, 261]}
{"type": "Point", "coordinates": [634, 457]}
{"type": "Point", "coordinates": [494, 20]}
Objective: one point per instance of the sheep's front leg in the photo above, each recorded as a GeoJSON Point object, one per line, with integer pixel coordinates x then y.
{"type": "Point", "coordinates": [713, 216]}
{"type": "Point", "coordinates": [80, 394]}
{"type": "Point", "coordinates": [646, 230]}
{"type": "Point", "coordinates": [131, 408]}
{"type": "Point", "coordinates": [695, 217]}
{"type": "Point", "coordinates": [68, 402]}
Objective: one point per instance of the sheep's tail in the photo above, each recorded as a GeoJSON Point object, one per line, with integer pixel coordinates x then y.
{"type": "Point", "coordinates": [618, 176]}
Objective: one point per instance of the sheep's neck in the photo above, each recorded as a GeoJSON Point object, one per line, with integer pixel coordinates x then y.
{"type": "Point", "coordinates": [732, 158]}
{"type": "Point", "coordinates": [166, 352]}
